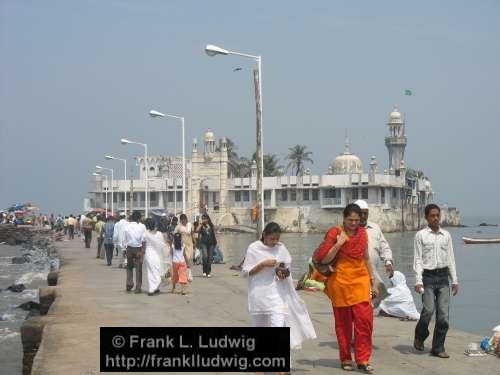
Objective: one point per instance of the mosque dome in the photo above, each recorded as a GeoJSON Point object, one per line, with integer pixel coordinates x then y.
{"type": "Point", "coordinates": [347, 163]}
{"type": "Point", "coordinates": [209, 136]}
{"type": "Point", "coordinates": [395, 116]}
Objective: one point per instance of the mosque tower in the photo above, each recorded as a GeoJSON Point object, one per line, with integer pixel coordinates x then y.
{"type": "Point", "coordinates": [396, 140]}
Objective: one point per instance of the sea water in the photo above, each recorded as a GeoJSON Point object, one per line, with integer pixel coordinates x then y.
{"type": "Point", "coordinates": [32, 275]}
{"type": "Point", "coordinates": [475, 309]}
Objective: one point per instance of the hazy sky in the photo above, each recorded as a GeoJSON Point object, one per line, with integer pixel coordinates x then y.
{"type": "Point", "coordinates": [76, 76]}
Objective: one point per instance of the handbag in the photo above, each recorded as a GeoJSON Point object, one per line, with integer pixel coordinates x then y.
{"type": "Point", "coordinates": [324, 269]}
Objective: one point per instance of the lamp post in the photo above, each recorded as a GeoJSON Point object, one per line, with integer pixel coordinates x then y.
{"type": "Point", "coordinates": [155, 114]}
{"type": "Point", "coordinates": [112, 183]}
{"type": "Point", "coordinates": [106, 192]}
{"type": "Point", "coordinates": [125, 141]}
{"type": "Point", "coordinates": [109, 157]}
{"type": "Point", "coordinates": [212, 50]}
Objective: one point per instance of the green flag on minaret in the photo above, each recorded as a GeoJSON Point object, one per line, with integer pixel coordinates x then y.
{"type": "Point", "coordinates": [408, 92]}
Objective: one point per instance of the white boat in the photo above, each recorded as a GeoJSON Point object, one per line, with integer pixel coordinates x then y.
{"type": "Point", "coordinates": [470, 240]}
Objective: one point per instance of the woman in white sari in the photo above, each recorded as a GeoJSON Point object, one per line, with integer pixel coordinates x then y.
{"type": "Point", "coordinates": [272, 299]}
{"type": "Point", "coordinates": [155, 257]}
{"type": "Point", "coordinates": [400, 302]}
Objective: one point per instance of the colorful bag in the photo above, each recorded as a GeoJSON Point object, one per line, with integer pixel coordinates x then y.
{"type": "Point", "coordinates": [329, 268]}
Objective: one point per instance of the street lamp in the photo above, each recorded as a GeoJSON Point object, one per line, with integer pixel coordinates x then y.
{"type": "Point", "coordinates": [108, 157]}
{"type": "Point", "coordinates": [125, 141]}
{"type": "Point", "coordinates": [212, 50]}
{"type": "Point", "coordinates": [112, 183]}
{"type": "Point", "coordinates": [155, 114]}
{"type": "Point", "coordinates": [106, 192]}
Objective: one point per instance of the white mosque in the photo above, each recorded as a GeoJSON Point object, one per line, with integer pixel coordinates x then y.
{"type": "Point", "coordinates": [299, 203]}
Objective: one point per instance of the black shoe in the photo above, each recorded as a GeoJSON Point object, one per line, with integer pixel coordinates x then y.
{"type": "Point", "coordinates": [151, 294]}
{"type": "Point", "coordinates": [129, 290]}
{"type": "Point", "coordinates": [157, 291]}
{"type": "Point", "coordinates": [418, 345]}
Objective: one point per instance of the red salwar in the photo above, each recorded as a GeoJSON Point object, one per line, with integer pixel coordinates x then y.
{"type": "Point", "coordinates": [361, 316]}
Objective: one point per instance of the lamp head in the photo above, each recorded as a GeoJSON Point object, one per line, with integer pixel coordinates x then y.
{"type": "Point", "coordinates": [124, 141]}
{"type": "Point", "coordinates": [108, 157]}
{"type": "Point", "coordinates": [98, 167]}
{"type": "Point", "coordinates": [96, 174]}
{"type": "Point", "coordinates": [212, 50]}
{"type": "Point", "coordinates": [155, 114]}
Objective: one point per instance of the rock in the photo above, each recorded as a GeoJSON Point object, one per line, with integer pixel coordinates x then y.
{"type": "Point", "coordinates": [16, 288]}
{"type": "Point", "coordinates": [31, 336]}
{"type": "Point", "coordinates": [52, 278]}
{"type": "Point", "coordinates": [21, 260]}
{"type": "Point", "coordinates": [47, 295]}
{"type": "Point", "coordinates": [30, 305]}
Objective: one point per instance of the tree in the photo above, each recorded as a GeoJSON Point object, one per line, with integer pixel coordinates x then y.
{"type": "Point", "coordinates": [271, 166]}
{"type": "Point", "coordinates": [298, 157]}
{"type": "Point", "coordinates": [234, 159]}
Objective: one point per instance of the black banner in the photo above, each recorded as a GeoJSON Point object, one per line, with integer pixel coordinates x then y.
{"type": "Point", "coordinates": [195, 349]}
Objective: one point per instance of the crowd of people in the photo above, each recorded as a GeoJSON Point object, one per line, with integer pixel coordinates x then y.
{"type": "Point", "coordinates": [352, 251]}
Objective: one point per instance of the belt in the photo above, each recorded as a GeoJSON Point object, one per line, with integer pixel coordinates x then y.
{"type": "Point", "coordinates": [437, 271]}
{"type": "Point", "coordinates": [133, 247]}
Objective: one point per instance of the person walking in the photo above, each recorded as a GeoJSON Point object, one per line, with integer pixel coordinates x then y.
{"type": "Point", "coordinates": [100, 236]}
{"type": "Point", "coordinates": [119, 240]}
{"type": "Point", "coordinates": [87, 226]}
{"type": "Point", "coordinates": [206, 243]}
{"type": "Point", "coordinates": [179, 264]}
{"type": "Point", "coordinates": [107, 238]}
{"type": "Point", "coordinates": [135, 242]}
{"type": "Point", "coordinates": [378, 247]}
{"type": "Point", "coordinates": [185, 229]}
{"type": "Point", "coordinates": [71, 227]}
{"type": "Point", "coordinates": [350, 287]}
{"type": "Point", "coordinates": [272, 299]}
{"type": "Point", "coordinates": [434, 265]}
{"type": "Point", "coordinates": [154, 257]}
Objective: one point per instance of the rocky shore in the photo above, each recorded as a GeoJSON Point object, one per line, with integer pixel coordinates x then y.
{"type": "Point", "coordinates": [36, 256]}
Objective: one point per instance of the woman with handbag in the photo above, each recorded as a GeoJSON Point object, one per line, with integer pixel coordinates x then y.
{"type": "Point", "coordinates": [350, 287]}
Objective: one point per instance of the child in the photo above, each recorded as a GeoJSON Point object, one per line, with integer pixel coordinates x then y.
{"type": "Point", "coordinates": [179, 264]}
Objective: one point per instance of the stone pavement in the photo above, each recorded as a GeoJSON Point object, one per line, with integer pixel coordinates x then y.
{"type": "Point", "coordinates": [91, 295]}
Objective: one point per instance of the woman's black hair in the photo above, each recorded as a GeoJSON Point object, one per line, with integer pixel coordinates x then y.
{"type": "Point", "coordinates": [350, 208]}
{"type": "Point", "coordinates": [150, 224]}
{"type": "Point", "coordinates": [177, 241]}
{"type": "Point", "coordinates": [270, 228]}
{"type": "Point", "coordinates": [182, 217]}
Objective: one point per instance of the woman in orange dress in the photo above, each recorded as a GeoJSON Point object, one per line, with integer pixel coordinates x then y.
{"type": "Point", "coordinates": [350, 288]}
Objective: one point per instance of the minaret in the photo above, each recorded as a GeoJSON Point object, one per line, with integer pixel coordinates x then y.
{"type": "Point", "coordinates": [396, 140]}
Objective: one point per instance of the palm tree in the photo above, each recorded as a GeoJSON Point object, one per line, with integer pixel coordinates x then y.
{"type": "Point", "coordinates": [271, 167]}
{"type": "Point", "coordinates": [298, 157]}
{"type": "Point", "coordinates": [234, 159]}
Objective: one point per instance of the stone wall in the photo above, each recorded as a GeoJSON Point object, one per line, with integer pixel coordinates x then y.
{"type": "Point", "coordinates": [314, 219]}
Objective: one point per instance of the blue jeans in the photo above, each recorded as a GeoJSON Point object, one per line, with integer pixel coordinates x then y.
{"type": "Point", "coordinates": [436, 298]}
{"type": "Point", "coordinates": [207, 254]}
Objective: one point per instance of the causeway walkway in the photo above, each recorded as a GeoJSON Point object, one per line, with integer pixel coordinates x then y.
{"type": "Point", "coordinates": [91, 295]}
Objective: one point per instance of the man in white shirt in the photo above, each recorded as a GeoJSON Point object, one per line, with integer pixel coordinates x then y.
{"type": "Point", "coordinates": [118, 240]}
{"type": "Point", "coordinates": [135, 242]}
{"type": "Point", "coordinates": [378, 247]}
{"type": "Point", "coordinates": [434, 264]}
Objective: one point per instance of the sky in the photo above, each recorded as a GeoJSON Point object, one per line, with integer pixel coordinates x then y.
{"type": "Point", "coordinates": [76, 76]}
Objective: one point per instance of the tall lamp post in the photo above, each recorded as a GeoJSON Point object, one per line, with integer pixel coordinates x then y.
{"type": "Point", "coordinates": [109, 157]}
{"type": "Point", "coordinates": [105, 193]}
{"type": "Point", "coordinates": [155, 114]}
{"type": "Point", "coordinates": [98, 167]}
{"type": "Point", "coordinates": [125, 141]}
{"type": "Point", "coordinates": [212, 50]}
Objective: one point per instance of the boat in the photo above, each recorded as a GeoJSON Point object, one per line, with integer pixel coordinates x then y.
{"type": "Point", "coordinates": [470, 240]}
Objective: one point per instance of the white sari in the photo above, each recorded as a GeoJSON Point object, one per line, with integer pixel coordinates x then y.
{"type": "Point", "coordinates": [400, 302]}
{"type": "Point", "coordinates": [155, 259]}
{"type": "Point", "coordinates": [267, 294]}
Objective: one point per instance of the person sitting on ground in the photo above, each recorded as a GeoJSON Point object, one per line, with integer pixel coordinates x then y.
{"type": "Point", "coordinates": [400, 302]}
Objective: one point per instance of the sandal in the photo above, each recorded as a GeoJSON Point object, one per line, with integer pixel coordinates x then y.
{"type": "Point", "coordinates": [347, 366]}
{"type": "Point", "coordinates": [366, 368]}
